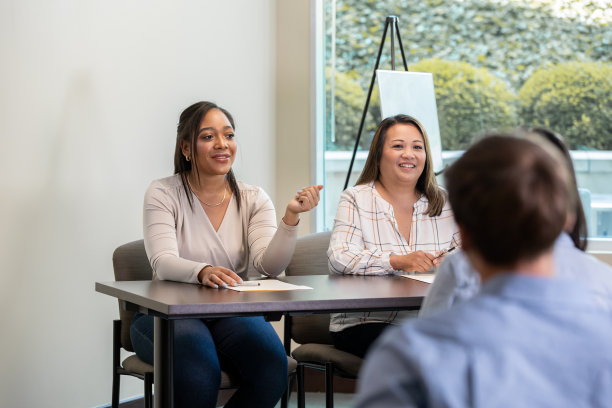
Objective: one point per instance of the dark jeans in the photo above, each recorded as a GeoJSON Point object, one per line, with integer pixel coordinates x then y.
{"type": "Point", "coordinates": [244, 346]}
{"type": "Point", "coordinates": [358, 339]}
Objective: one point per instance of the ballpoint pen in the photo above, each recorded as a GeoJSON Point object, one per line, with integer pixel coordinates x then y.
{"type": "Point", "coordinates": [446, 251]}
{"type": "Point", "coordinates": [249, 283]}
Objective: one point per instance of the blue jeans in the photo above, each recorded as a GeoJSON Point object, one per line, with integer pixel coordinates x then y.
{"type": "Point", "coordinates": [246, 347]}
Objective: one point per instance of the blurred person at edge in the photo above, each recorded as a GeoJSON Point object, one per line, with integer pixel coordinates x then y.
{"type": "Point", "coordinates": [529, 338]}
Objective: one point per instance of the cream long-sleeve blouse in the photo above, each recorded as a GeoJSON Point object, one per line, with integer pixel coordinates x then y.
{"type": "Point", "coordinates": [180, 240]}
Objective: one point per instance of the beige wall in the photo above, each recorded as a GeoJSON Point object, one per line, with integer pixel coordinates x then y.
{"type": "Point", "coordinates": [603, 256]}
{"type": "Point", "coordinates": [293, 103]}
{"type": "Point", "coordinates": [89, 101]}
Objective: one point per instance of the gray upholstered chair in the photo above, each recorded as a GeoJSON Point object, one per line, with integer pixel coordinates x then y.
{"type": "Point", "coordinates": [130, 263]}
{"type": "Point", "coordinates": [316, 348]}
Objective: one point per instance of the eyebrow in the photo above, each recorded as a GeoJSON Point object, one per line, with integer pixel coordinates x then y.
{"type": "Point", "coordinates": [212, 128]}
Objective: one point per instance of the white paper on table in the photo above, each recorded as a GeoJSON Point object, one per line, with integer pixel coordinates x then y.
{"type": "Point", "coordinates": [268, 285]}
{"type": "Point", "coordinates": [423, 277]}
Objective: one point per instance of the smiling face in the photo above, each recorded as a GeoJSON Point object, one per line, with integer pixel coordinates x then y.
{"type": "Point", "coordinates": [215, 144]}
{"type": "Point", "coordinates": [403, 155]}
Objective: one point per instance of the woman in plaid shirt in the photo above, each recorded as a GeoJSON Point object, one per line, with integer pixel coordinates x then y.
{"type": "Point", "coordinates": [395, 219]}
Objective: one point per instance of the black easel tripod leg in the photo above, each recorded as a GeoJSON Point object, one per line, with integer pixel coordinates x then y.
{"type": "Point", "coordinates": [391, 20]}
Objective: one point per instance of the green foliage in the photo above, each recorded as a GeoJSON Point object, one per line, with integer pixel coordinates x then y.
{"type": "Point", "coordinates": [511, 39]}
{"type": "Point", "coordinates": [468, 99]}
{"type": "Point", "coordinates": [574, 100]}
{"type": "Point", "coordinates": [505, 39]}
{"type": "Point", "coordinates": [349, 100]}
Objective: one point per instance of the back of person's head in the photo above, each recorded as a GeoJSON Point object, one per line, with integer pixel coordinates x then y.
{"type": "Point", "coordinates": [510, 198]}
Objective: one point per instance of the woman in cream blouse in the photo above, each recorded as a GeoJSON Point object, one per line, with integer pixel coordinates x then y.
{"type": "Point", "coordinates": [202, 226]}
{"type": "Point", "coordinates": [395, 219]}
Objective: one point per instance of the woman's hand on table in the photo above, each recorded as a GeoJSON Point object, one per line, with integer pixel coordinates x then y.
{"type": "Point", "coordinates": [305, 200]}
{"type": "Point", "coordinates": [417, 261]}
{"type": "Point", "coordinates": [218, 277]}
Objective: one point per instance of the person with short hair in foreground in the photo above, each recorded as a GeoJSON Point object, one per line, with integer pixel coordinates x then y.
{"type": "Point", "coordinates": [457, 281]}
{"type": "Point", "coordinates": [529, 338]}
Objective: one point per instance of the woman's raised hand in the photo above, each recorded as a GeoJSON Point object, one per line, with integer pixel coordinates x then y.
{"type": "Point", "coordinates": [218, 277]}
{"type": "Point", "coordinates": [305, 200]}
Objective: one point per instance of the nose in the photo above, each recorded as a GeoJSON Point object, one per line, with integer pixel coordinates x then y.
{"type": "Point", "coordinates": [407, 153]}
{"type": "Point", "coordinates": [220, 142]}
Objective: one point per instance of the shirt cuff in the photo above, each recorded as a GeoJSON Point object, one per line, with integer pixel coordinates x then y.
{"type": "Point", "coordinates": [386, 263]}
{"type": "Point", "coordinates": [196, 271]}
{"type": "Point", "coordinates": [287, 227]}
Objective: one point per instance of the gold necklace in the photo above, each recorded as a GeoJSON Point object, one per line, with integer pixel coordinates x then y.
{"type": "Point", "coordinates": [204, 202]}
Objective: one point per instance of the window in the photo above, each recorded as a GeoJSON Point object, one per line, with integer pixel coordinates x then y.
{"type": "Point", "coordinates": [496, 63]}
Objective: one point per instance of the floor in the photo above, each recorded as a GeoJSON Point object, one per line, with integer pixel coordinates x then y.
{"type": "Point", "coordinates": [313, 400]}
{"type": "Point", "coordinates": [317, 400]}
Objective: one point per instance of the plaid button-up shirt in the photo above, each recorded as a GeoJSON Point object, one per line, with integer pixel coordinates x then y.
{"type": "Point", "coordinates": [366, 234]}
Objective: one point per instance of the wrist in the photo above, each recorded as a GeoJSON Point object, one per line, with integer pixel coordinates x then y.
{"type": "Point", "coordinates": [394, 261]}
{"type": "Point", "coordinates": [202, 273]}
{"type": "Point", "coordinates": [291, 218]}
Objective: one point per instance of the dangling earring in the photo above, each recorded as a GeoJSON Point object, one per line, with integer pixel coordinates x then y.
{"type": "Point", "coordinates": [188, 158]}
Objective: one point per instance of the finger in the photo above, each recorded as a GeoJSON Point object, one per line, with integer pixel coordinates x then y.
{"type": "Point", "coordinates": [210, 282]}
{"type": "Point", "coordinates": [315, 192]}
{"type": "Point", "coordinates": [424, 268]}
{"type": "Point", "coordinates": [316, 195]}
{"type": "Point", "coordinates": [424, 262]}
{"type": "Point", "coordinates": [228, 276]}
{"type": "Point", "coordinates": [308, 196]}
{"type": "Point", "coordinates": [218, 280]}
{"type": "Point", "coordinates": [305, 200]}
{"type": "Point", "coordinates": [424, 265]}
{"type": "Point", "coordinates": [311, 195]}
{"type": "Point", "coordinates": [429, 256]}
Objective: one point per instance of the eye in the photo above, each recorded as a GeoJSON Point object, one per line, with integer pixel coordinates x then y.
{"type": "Point", "coordinates": [397, 146]}
{"type": "Point", "coordinates": [230, 136]}
{"type": "Point", "coordinates": [206, 137]}
{"type": "Point", "coordinates": [418, 147]}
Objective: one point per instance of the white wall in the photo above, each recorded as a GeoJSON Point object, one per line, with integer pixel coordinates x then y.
{"type": "Point", "coordinates": [90, 93]}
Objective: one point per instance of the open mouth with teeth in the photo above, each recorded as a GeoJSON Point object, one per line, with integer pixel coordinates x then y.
{"type": "Point", "coordinates": [409, 166]}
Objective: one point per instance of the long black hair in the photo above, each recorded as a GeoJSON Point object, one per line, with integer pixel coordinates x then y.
{"type": "Point", "coordinates": [579, 233]}
{"type": "Point", "coordinates": [187, 131]}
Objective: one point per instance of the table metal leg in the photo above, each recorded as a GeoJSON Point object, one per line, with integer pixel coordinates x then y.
{"type": "Point", "coordinates": [163, 363]}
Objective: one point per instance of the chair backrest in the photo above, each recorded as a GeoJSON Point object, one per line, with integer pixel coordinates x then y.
{"type": "Point", "coordinates": [310, 258]}
{"type": "Point", "coordinates": [310, 255]}
{"type": "Point", "coordinates": [130, 262]}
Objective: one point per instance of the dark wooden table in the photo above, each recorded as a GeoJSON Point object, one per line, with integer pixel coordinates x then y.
{"type": "Point", "coordinates": [168, 301]}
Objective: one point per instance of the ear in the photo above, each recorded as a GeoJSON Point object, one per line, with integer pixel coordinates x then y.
{"type": "Point", "coordinates": [185, 148]}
